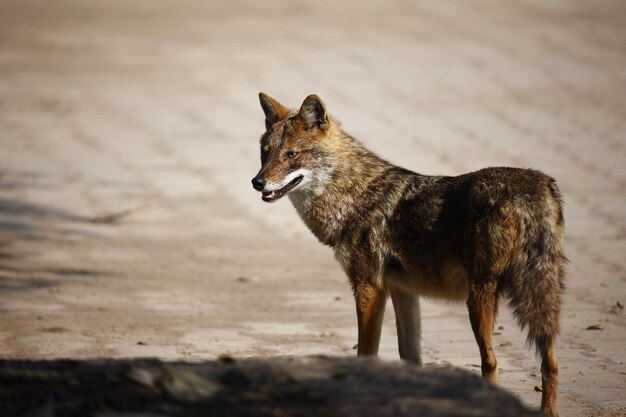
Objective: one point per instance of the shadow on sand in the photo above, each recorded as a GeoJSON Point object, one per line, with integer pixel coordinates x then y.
{"type": "Point", "coordinates": [26, 226]}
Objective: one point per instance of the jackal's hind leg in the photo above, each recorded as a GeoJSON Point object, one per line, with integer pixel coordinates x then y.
{"type": "Point", "coordinates": [482, 304]}
{"type": "Point", "coordinates": [370, 309]}
{"type": "Point", "coordinates": [407, 309]}
{"type": "Point", "coordinates": [549, 378]}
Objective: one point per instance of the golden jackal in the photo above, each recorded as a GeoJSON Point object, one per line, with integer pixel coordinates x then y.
{"type": "Point", "coordinates": [475, 237]}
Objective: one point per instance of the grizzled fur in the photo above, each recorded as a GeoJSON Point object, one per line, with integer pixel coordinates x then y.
{"type": "Point", "coordinates": [474, 237]}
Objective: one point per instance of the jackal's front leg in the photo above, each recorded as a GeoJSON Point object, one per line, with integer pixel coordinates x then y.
{"type": "Point", "coordinates": [407, 309]}
{"type": "Point", "coordinates": [370, 309]}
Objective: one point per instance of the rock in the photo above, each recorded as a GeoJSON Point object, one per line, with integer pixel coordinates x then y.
{"type": "Point", "coordinates": [309, 386]}
{"type": "Point", "coordinates": [616, 308]}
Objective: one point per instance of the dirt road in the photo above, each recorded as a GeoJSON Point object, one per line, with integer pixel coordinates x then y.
{"type": "Point", "coordinates": [129, 134]}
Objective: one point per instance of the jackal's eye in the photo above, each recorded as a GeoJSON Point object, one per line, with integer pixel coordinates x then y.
{"type": "Point", "coordinates": [265, 150]}
{"type": "Point", "coordinates": [291, 154]}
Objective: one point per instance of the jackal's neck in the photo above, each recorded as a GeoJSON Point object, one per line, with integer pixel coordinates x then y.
{"type": "Point", "coordinates": [340, 180]}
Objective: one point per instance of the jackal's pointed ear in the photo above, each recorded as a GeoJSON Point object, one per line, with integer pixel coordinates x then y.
{"type": "Point", "coordinates": [274, 111]}
{"type": "Point", "coordinates": [313, 112]}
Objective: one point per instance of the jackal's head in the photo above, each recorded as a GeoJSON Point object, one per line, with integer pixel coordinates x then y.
{"type": "Point", "coordinates": [293, 155]}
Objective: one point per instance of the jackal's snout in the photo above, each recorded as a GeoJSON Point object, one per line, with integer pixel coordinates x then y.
{"type": "Point", "coordinates": [258, 183]}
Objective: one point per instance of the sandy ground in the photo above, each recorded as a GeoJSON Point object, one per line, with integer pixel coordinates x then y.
{"type": "Point", "coordinates": [129, 134]}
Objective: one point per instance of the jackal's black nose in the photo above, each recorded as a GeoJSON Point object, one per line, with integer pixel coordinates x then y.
{"type": "Point", "coordinates": [258, 182]}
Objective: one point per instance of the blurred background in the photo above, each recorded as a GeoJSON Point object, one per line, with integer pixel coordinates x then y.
{"type": "Point", "coordinates": [129, 135]}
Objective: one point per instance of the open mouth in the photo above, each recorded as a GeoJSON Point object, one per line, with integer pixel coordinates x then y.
{"type": "Point", "coordinates": [269, 196]}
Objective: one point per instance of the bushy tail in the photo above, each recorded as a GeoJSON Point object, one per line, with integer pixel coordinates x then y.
{"type": "Point", "coordinates": [535, 280]}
